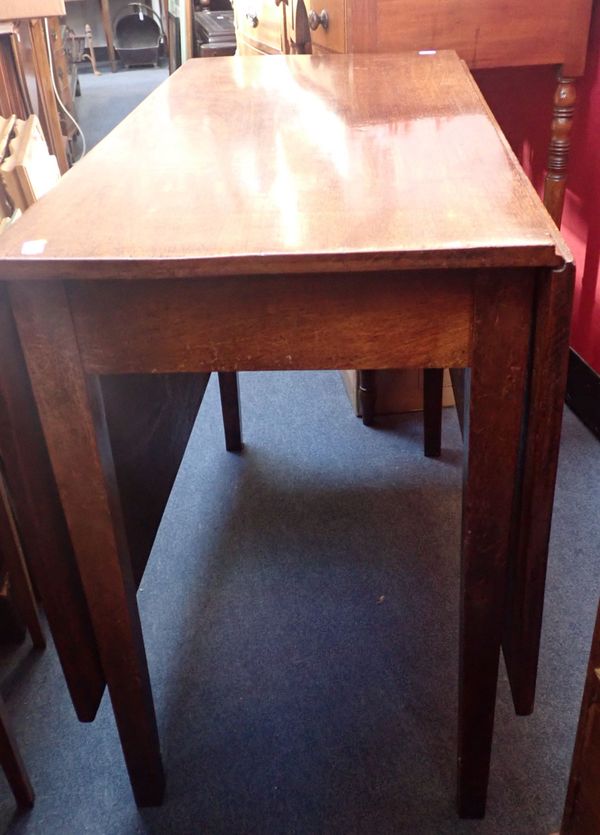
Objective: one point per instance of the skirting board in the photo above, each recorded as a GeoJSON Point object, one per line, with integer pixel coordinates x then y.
{"type": "Point", "coordinates": [583, 392]}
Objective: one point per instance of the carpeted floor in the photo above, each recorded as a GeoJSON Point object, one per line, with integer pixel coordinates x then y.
{"type": "Point", "coordinates": [106, 99]}
{"type": "Point", "coordinates": [300, 615]}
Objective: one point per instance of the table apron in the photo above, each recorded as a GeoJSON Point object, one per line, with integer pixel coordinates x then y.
{"type": "Point", "coordinates": [384, 320]}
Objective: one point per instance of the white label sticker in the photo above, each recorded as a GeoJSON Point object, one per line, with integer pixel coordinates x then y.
{"type": "Point", "coordinates": [33, 247]}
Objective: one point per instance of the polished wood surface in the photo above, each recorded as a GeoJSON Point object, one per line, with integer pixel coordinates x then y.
{"type": "Point", "coordinates": [337, 163]}
{"type": "Point", "coordinates": [42, 526]}
{"type": "Point", "coordinates": [502, 305]}
{"type": "Point", "coordinates": [371, 320]}
{"type": "Point", "coordinates": [535, 497]}
{"type": "Point", "coordinates": [97, 526]}
{"type": "Point", "coordinates": [354, 275]}
{"type": "Point", "coordinates": [485, 33]}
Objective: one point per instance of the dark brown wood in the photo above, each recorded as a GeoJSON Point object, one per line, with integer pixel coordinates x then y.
{"type": "Point", "coordinates": [347, 275]}
{"type": "Point", "coordinates": [333, 321]}
{"type": "Point", "coordinates": [402, 222]}
{"type": "Point", "coordinates": [41, 524]}
{"type": "Point", "coordinates": [367, 392]}
{"type": "Point", "coordinates": [582, 807]}
{"type": "Point", "coordinates": [501, 330]}
{"type": "Point", "coordinates": [485, 33]}
{"type": "Point", "coordinates": [433, 383]}
{"type": "Point", "coordinates": [12, 763]}
{"type": "Point", "coordinates": [149, 418]}
{"type": "Point", "coordinates": [533, 511]}
{"type": "Point", "coordinates": [457, 376]}
{"type": "Point", "coordinates": [230, 404]}
{"type": "Point", "coordinates": [72, 416]}
{"type": "Point", "coordinates": [555, 182]}
{"type": "Point", "coordinates": [10, 547]}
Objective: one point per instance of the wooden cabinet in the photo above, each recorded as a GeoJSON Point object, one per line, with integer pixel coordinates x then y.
{"type": "Point", "coordinates": [260, 27]}
{"type": "Point", "coordinates": [485, 33]}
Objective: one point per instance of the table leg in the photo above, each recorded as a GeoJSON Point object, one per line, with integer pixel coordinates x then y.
{"type": "Point", "coordinates": [533, 512]}
{"type": "Point", "coordinates": [367, 390]}
{"type": "Point", "coordinates": [495, 396]}
{"type": "Point", "coordinates": [230, 405]}
{"type": "Point", "coordinates": [107, 24]}
{"type": "Point", "coordinates": [433, 391]}
{"type": "Point", "coordinates": [72, 415]}
{"type": "Point", "coordinates": [555, 181]}
{"type": "Point", "coordinates": [10, 546]}
{"type": "Point", "coordinates": [12, 764]}
{"type": "Point", "coordinates": [41, 524]}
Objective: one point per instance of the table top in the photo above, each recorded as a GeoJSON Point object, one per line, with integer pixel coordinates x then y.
{"type": "Point", "coordinates": [254, 165]}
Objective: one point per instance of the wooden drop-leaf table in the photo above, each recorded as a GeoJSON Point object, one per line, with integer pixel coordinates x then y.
{"type": "Point", "coordinates": [347, 211]}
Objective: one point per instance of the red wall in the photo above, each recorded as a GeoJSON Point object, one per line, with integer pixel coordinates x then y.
{"type": "Point", "coordinates": [522, 102]}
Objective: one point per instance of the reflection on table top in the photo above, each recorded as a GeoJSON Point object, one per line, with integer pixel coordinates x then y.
{"type": "Point", "coordinates": [291, 163]}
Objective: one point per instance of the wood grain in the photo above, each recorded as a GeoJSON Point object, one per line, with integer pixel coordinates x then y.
{"type": "Point", "coordinates": [496, 389]}
{"type": "Point", "coordinates": [72, 416]}
{"type": "Point", "coordinates": [410, 172]}
{"type": "Point", "coordinates": [41, 524]}
{"type": "Point", "coordinates": [533, 512]}
{"type": "Point", "coordinates": [485, 33]}
{"type": "Point", "coordinates": [266, 323]}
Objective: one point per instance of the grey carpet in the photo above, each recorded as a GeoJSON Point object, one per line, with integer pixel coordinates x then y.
{"type": "Point", "coordinates": [106, 99]}
{"type": "Point", "coordinates": [300, 614]}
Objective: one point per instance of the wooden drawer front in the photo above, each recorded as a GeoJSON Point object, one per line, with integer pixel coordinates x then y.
{"type": "Point", "coordinates": [334, 38]}
{"type": "Point", "coordinates": [266, 36]}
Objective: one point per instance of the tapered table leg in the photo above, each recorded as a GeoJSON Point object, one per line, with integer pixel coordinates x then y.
{"type": "Point", "coordinates": [433, 389]}
{"type": "Point", "coordinates": [538, 466]}
{"type": "Point", "coordinates": [41, 524]}
{"type": "Point", "coordinates": [10, 546]}
{"type": "Point", "coordinates": [230, 405]}
{"type": "Point", "coordinates": [367, 390]}
{"type": "Point", "coordinates": [495, 397]}
{"type": "Point", "coordinates": [72, 415]}
{"type": "Point", "coordinates": [12, 764]}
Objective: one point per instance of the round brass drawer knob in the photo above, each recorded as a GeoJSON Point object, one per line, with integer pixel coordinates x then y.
{"type": "Point", "coordinates": [315, 20]}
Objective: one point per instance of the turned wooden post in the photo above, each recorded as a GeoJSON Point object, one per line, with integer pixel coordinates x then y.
{"type": "Point", "coordinates": [560, 143]}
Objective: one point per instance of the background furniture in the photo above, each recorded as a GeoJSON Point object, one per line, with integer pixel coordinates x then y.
{"type": "Point", "coordinates": [107, 26]}
{"type": "Point", "coordinates": [217, 302]}
{"type": "Point", "coordinates": [582, 808]}
{"type": "Point", "coordinates": [25, 82]}
{"type": "Point", "coordinates": [10, 548]}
